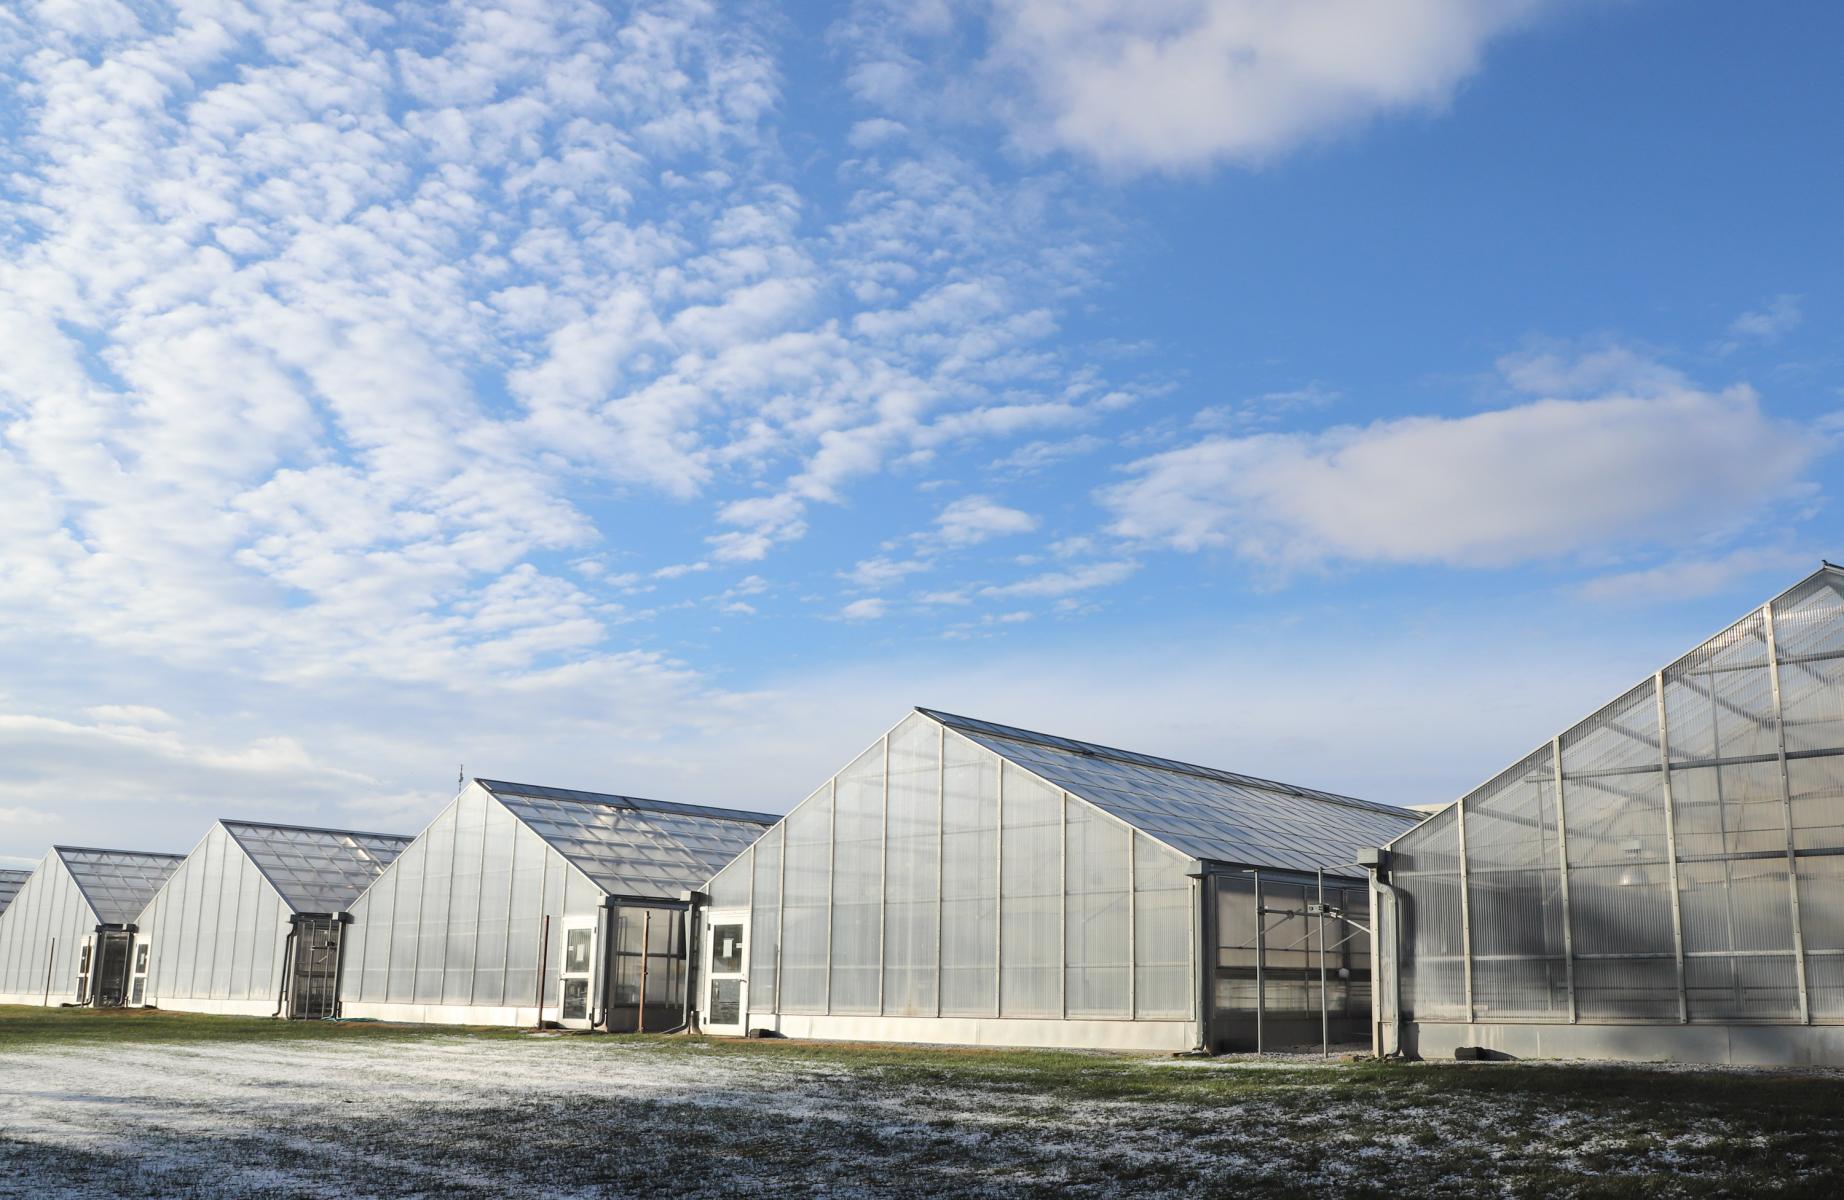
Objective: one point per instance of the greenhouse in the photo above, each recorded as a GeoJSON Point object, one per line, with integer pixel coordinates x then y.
{"type": "Point", "coordinates": [10, 883]}
{"type": "Point", "coordinates": [1663, 880]}
{"type": "Point", "coordinates": [68, 937]}
{"type": "Point", "coordinates": [964, 882]}
{"type": "Point", "coordinates": [254, 920]}
{"type": "Point", "coordinates": [519, 904]}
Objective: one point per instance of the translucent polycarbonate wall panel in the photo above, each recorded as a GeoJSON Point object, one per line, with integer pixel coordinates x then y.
{"type": "Point", "coordinates": [1030, 896]}
{"type": "Point", "coordinates": [1425, 872]}
{"type": "Point", "coordinates": [1164, 934]}
{"type": "Point", "coordinates": [806, 904]}
{"type": "Point", "coordinates": [969, 880]}
{"type": "Point", "coordinates": [456, 919]}
{"type": "Point", "coordinates": [1619, 863]}
{"type": "Point", "coordinates": [495, 910]}
{"type": "Point", "coordinates": [912, 869]}
{"type": "Point", "coordinates": [1098, 914]}
{"type": "Point", "coordinates": [1514, 864]}
{"type": "Point", "coordinates": [1731, 816]}
{"type": "Point", "coordinates": [215, 928]}
{"type": "Point", "coordinates": [857, 884]}
{"type": "Point", "coordinates": [765, 920]}
{"type": "Point", "coordinates": [730, 887]}
{"type": "Point", "coordinates": [41, 933]}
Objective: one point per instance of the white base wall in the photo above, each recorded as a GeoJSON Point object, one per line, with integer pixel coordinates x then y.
{"type": "Point", "coordinates": [217, 1007]}
{"type": "Point", "coordinates": [1153, 1036]}
{"type": "Point", "coordinates": [36, 999]}
{"type": "Point", "coordinates": [444, 1014]}
{"type": "Point", "coordinates": [1734, 1045]}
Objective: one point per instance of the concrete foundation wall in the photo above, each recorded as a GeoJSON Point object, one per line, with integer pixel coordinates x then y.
{"type": "Point", "coordinates": [445, 1014]}
{"type": "Point", "coordinates": [1165, 1036]}
{"type": "Point", "coordinates": [1737, 1045]}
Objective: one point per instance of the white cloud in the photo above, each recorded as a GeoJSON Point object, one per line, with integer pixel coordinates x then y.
{"type": "Point", "coordinates": [882, 571]}
{"type": "Point", "coordinates": [974, 519]}
{"type": "Point", "coordinates": [1540, 480]}
{"type": "Point", "coordinates": [1190, 83]}
{"type": "Point", "coordinates": [1690, 578]}
{"type": "Point", "coordinates": [869, 609]}
{"type": "Point", "coordinates": [1769, 323]}
{"type": "Point", "coordinates": [1063, 583]}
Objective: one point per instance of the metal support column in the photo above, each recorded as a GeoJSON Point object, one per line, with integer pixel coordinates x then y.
{"type": "Point", "coordinates": [1562, 853]}
{"type": "Point", "coordinates": [1325, 1020]}
{"type": "Point", "coordinates": [998, 892]}
{"type": "Point", "coordinates": [1671, 847]}
{"type": "Point", "coordinates": [1786, 797]}
{"type": "Point", "coordinates": [832, 874]}
{"type": "Point", "coordinates": [883, 880]}
{"type": "Point", "coordinates": [1466, 908]}
{"type": "Point", "coordinates": [1261, 956]}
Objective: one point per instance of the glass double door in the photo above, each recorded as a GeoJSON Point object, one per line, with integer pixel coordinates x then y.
{"type": "Point", "coordinates": [104, 969]}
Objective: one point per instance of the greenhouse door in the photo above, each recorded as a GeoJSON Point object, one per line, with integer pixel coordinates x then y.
{"type": "Point", "coordinates": [137, 983]}
{"type": "Point", "coordinates": [110, 968]}
{"type": "Point", "coordinates": [576, 973]}
{"type": "Point", "coordinates": [313, 993]}
{"type": "Point", "coordinates": [726, 996]}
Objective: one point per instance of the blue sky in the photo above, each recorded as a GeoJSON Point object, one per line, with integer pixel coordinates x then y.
{"type": "Point", "coordinates": [663, 399]}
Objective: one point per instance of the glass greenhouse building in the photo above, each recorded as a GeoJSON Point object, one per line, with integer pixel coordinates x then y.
{"type": "Point", "coordinates": [1663, 880]}
{"type": "Point", "coordinates": [69, 935]}
{"type": "Point", "coordinates": [10, 883]}
{"type": "Point", "coordinates": [254, 920]}
{"type": "Point", "coordinates": [520, 903]}
{"type": "Point", "coordinates": [964, 882]}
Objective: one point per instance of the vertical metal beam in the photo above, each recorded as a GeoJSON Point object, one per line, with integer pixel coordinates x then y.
{"type": "Point", "coordinates": [1786, 798]}
{"type": "Point", "coordinates": [1325, 1019]}
{"type": "Point", "coordinates": [1562, 853]}
{"type": "Point", "coordinates": [941, 845]}
{"type": "Point", "coordinates": [781, 910]}
{"type": "Point", "coordinates": [1671, 847]}
{"type": "Point", "coordinates": [1062, 952]}
{"type": "Point", "coordinates": [832, 874]}
{"type": "Point", "coordinates": [998, 892]}
{"type": "Point", "coordinates": [1261, 963]}
{"type": "Point", "coordinates": [1466, 908]}
{"type": "Point", "coordinates": [883, 880]}
{"type": "Point", "coordinates": [1133, 934]}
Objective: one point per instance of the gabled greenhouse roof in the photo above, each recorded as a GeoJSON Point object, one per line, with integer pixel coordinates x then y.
{"type": "Point", "coordinates": [117, 883]}
{"type": "Point", "coordinates": [1213, 815]}
{"type": "Point", "coordinates": [628, 846]}
{"type": "Point", "coordinates": [10, 883]}
{"type": "Point", "coordinates": [316, 870]}
{"type": "Point", "coordinates": [1729, 682]}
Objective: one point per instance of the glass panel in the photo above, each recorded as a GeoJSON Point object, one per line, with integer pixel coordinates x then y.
{"type": "Point", "coordinates": [726, 1002]}
{"type": "Point", "coordinates": [766, 917]}
{"type": "Point", "coordinates": [969, 880]}
{"type": "Point", "coordinates": [804, 917]}
{"type": "Point", "coordinates": [727, 949]}
{"type": "Point", "coordinates": [730, 889]}
{"type": "Point", "coordinates": [1425, 874]}
{"type": "Point", "coordinates": [140, 957]}
{"type": "Point", "coordinates": [577, 949]}
{"type": "Point", "coordinates": [1099, 852]}
{"type": "Point", "coordinates": [1031, 896]}
{"type": "Point", "coordinates": [1514, 866]}
{"type": "Point", "coordinates": [857, 885]}
{"type": "Point", "coordinates": [576, 999]}
{"type": "Point", "coordinates": [1163, 932]}
{"type": "Point", "coordinates": [912, 868]}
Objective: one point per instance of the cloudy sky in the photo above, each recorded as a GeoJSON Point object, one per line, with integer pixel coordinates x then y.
{"type": "Point", "coordinates": [662, 399]}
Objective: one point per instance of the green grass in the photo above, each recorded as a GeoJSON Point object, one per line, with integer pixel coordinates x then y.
{"type": "Point", "coordinates": [23, 1027]}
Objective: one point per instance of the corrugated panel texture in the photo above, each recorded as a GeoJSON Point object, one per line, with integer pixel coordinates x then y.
{"type": "Point", "coordinates": [317, 870]}
{"type": "Point", "coordinates": [1199, 811]}
{"type": "Point", "coordinates": [649, 849]}
{"type": "Point", "coordinates": [117, 883]}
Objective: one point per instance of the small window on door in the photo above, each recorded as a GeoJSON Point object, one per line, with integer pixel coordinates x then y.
{"type": "Point", "coordinates": [576, 999]}
{"type": "Point", "coordinates": [727, 949]}
{"type": "Point", "coordinates": [726, 1001]}
{"type": "Point", "coordinates": [577, 945]}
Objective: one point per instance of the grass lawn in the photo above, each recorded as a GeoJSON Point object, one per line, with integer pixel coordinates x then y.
{"type": "Point", "coordinates": [163, 1104]}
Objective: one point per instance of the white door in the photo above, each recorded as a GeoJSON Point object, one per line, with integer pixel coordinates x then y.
{"type": "Point", "coordinates": [576, 973]}
{"type": "Point", "coordinates": [137, 979]}
{"type": "Point", "coordinates": [726, 967]}
{"type": "Point", "coordinates": [84, 962]}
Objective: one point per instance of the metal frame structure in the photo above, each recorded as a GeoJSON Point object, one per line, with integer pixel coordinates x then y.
{"type": "Point", "coordinates": [1664, 879]}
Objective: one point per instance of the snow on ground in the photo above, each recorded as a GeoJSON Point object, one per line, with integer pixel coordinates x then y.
{"type": "Point", "coordinates": [464, 1116]}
